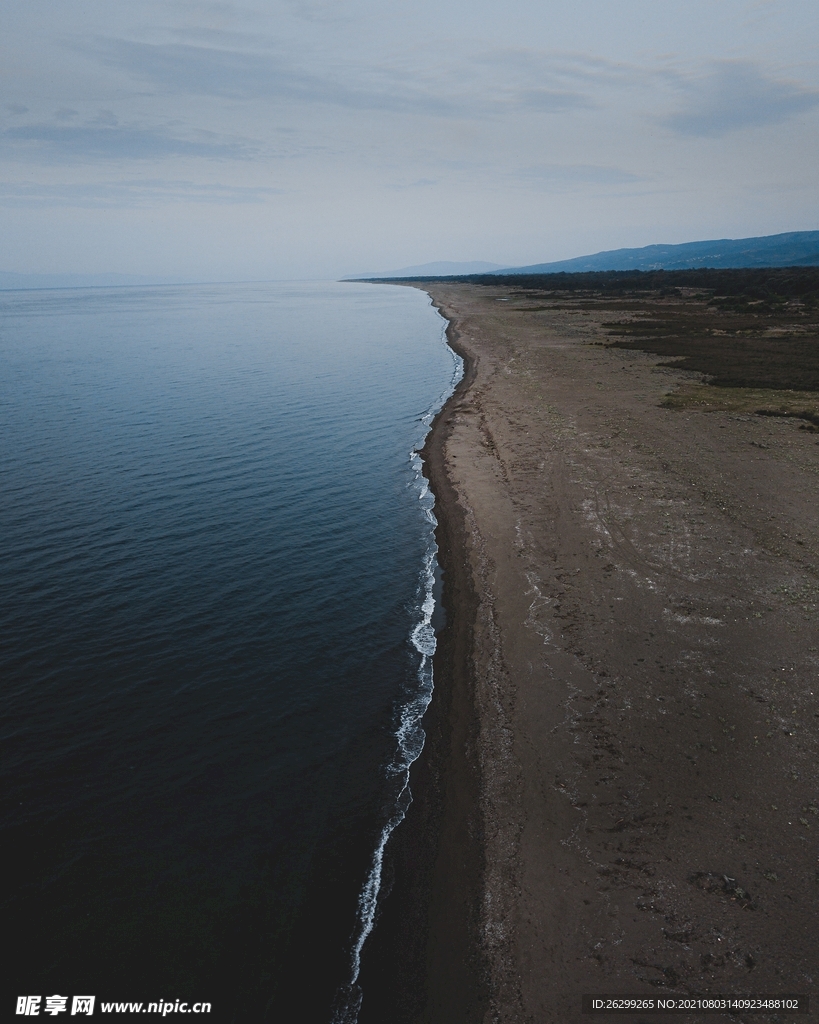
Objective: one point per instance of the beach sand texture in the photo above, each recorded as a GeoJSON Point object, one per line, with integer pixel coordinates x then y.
{"type": "Point", "coordinates": [641, 656]}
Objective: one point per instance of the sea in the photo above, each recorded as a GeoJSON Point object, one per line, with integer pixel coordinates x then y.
{"type": "Point", "coordinates": [218, 601]}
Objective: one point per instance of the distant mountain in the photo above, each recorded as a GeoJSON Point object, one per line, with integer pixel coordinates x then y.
{"type": "Point", "coordinates": [440, 269]}
{"type": "Point", "coordinates": [10, 281]}
{"type": "Point", "coordinates": [792, 249]}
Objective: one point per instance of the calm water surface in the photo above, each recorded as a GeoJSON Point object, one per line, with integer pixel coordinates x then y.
{"type": "Point", "coordinates": [216, 553]}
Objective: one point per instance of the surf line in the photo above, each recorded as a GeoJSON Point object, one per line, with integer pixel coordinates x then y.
{"type": "Point", "coordinates": [410, 733]}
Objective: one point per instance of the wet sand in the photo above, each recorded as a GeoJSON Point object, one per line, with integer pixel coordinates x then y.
{"type": "Point", "coordinates": [620, 791]}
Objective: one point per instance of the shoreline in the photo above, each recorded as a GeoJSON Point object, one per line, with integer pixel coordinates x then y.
{"type": "Point", "coordinates": [424, 961]}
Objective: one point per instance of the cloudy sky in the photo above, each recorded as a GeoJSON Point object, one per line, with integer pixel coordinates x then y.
{"type": "Point", "coordinates": [315, 138]}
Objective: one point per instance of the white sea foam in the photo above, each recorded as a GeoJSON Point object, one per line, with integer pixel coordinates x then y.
{"type": "Point", "coordinates": [410, 733]}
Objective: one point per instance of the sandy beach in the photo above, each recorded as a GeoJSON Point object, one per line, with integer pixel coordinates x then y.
{"type": "Point", "coordinates": [620, 790]}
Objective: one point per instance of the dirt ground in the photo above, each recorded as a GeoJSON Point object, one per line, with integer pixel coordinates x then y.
{"type": "Point", "coordinates": [644, 666]}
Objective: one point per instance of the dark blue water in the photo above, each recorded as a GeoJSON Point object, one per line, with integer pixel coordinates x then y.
{"type": "Point", "coordinates": [216, 564]}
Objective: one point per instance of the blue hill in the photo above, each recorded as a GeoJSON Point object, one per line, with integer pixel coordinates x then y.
{"type": "Point", "coordinates": [791, 249]}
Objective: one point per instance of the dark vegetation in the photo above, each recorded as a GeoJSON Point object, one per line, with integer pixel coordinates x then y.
{"type": "Point", "coordinates": [750, 328]}
{"type": "Point", "coordinates": [772, 283]}
{"type": "Point", "coordinates": [736, 341]}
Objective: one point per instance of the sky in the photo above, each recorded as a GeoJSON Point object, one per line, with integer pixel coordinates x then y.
{"type": "Point", "coordinates": [310, 139]}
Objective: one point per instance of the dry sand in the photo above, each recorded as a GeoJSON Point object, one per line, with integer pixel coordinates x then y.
{"type": "Point", "coordinates": [635, 618]}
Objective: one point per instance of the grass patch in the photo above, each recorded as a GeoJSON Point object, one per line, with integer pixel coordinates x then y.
{"type": "Point", "coordinates": [802, 405]}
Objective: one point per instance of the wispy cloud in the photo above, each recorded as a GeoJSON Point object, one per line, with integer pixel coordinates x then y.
{"type": "Point", "coordinates": [565, 178]}
{"type": "Point", "coordinates": [184, 68]}
{"type": "Point", "coordinates": [102, 138]}
{"type": "Point", "coordinates": [554, 81]}
{"type": "Point", "coordinates": [552, 101]}
{"type": "Point", "coordinates": [578, 174]}
{"type": "Point", "coordinates": [553, 67]}
{"type": "Point", "coordinates": [239, 66]}
{"type": "Point", "coordinates": [731, 95]}
{"type": "Point", "coordinates": [402, 186]}
{"type": "Point", "coordinates": [131, 193]}
{"type": "Point", "coordinates": [319, 10]}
